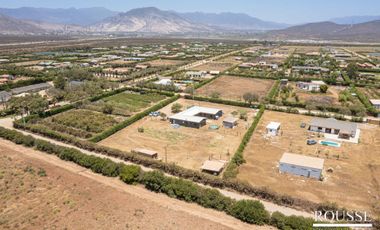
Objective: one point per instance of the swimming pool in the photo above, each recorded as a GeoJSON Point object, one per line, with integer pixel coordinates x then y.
{"type": "Point", "coordinates": [330, 143]}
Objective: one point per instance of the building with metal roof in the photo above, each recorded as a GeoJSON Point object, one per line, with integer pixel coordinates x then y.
{"type": "Point", "coordinates": [31, 88]}
{"type": "Point", "coordinates": [342, 129]}
{"type": "Point", "coordinates": [213, 166]}
{"type": "Point", "coordinates": [195, 116]}
{"type": "Point", "coordinates": [300, 165]}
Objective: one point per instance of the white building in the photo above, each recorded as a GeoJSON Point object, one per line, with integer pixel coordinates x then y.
{"type": "Point", "coordinates": [375, 103]}
{"type": "Point", "coordinates": [273, 128]}
{"type": "Point", "coordinates": [310, 167]}
{"type": "Point", "coordinates": [195, 116]}
{"type": "Point", "coordinates": [310, 86]}
{"type": "Point", "coordinates": [195, 74]}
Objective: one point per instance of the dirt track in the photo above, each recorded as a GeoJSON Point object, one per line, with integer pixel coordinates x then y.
{"type": "Point", "coordinates": [71, 196]}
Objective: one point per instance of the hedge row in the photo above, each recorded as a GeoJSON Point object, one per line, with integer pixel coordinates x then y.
{"type": "Point", "coordinates": [133, 119]}
{"type": "Point", "coordinates": [221, 101]}
{"type": "Point", "coordinates": [197, 86]}
{"type": "Point", "coordinates": [249, 211]}
{"type": "Point", "coordinates": [365, 101]}
{"type": "Point", "coordinates": [238, 158]}
{"type": "Point", "coordinates": [172, 169]}
{"type": "Point", "coordinates": [273, 92]}
{"type": "Point", "coordinates": [309, 113]}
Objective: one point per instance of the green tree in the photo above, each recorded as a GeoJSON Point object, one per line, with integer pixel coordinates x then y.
{"type": "Point", "coordinates": [176, 108]}
{"type": "Point", "coordinates": [59, 82]}
{"type": "Point", "coordinates": [352, 71]}
{"type": "Point", "coordinates": [250, 97]}
{"type": "Point", "coordinates": [130, 173]}
{"type": "Point", "coordinates": [323, 88]}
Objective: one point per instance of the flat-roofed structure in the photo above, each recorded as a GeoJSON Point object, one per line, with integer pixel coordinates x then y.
{"type": "Point", "coordinates": [213, 166]}
{"type": "Point", "coordinates": [273, 128]}
{"type": "Point", "coordinates": [300, 165]}
{"type": "Point", "coordinates": [195, 116]}
{"type": "Point", "coordinates": [31, 88]}
{"type": "Point", "coordinates": [310, 86]}
{"type": "Point", "coordinates": [230, 122]}
{"type": "Point", "coordinates": [5, 96]}
{"type": "Point", "coordinates": [145, 152]}
{"type": "Point", "coordinates": [375, 103]}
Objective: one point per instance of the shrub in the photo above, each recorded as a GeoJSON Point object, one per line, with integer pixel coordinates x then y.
{"type": "Point", "coordinates": [250, 211]}
{"type": "Point", "coordinates": [154, 180]}
{"type": "Point", "coordinates": [278, 220]}
{"type": "Point", "coordinates": [130, 173]}
{"type": "Point", "coordinates": [176, 108]}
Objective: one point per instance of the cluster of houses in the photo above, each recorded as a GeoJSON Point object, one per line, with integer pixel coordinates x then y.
{"type": "Point", "coordinates": [261, 64]}
{"type": "Point", "coordinates": [312, 167]}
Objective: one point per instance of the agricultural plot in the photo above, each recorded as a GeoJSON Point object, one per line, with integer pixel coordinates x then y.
{"type": "Point", "coordinates": [187, 147]}
{"type": "Point", "coordinates": [352, 180]}
{"type": "Point", "coordinates": [233, 88]}
{"type": "Point", "coordinates": [164, 62]}
{"type": "Point", "coordinates": [80, 122]}
{"type": "Point", "coordinates": [219, 65]}
{"type": "Point", "coordinates": [342, 98]}
{"type": "Point", "coordinates": [126, 103]}
{"type": "Point", "coordinates": [371, 93]}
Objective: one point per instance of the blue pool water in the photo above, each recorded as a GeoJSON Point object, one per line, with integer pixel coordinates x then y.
{"type": "Point", "coordinates": [330, 143]}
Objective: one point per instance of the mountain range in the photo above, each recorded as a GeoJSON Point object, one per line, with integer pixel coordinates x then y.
{"type": "Point", "coordinates": [29, 20]}
{"type": "Point", "coordinates": [366, 32]}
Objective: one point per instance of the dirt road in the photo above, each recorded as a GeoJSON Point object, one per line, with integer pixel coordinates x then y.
{"type": "Point", "coordinates": [98, 202]}
{"type": "Point", "coordinates": [7, 123]}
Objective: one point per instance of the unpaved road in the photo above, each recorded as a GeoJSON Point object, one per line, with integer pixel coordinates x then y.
{"type": "Point", "coordinates": [271, 207]}
{"type": "Point", "coordinates": [81, 199]}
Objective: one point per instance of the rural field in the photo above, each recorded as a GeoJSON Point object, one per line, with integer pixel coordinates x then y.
{"type": "Point", "coordinates": [187, 147]}
{"type": "Point", "coordinates": [219, 65]}
{"type": "Point", "coordinates": [233, 88]}
{"type": "Point", "coordinates": [163, 62]}
{"type": "Point", "coordinates": [127, 103]}
{"type": "Point", "coordinates": [371, 93]}
{"type": "Point", "coordinates": [353, 183]}
{"type": "Point", "coordinates": [81, 123]}
{"type": "Point", "coordinates": [39, 191]}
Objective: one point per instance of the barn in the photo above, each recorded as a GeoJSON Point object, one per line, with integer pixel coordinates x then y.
{"type": "Point", "coordinates": [310, 167]}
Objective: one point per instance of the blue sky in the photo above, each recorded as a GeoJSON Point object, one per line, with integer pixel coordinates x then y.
{"type": "Point", "coordinates": [287, 11]}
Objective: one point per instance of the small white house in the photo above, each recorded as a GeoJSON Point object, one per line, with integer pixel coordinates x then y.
{"type": "Point", "coordinates": [310, 86]}
{"type": "Point", "coordinates": [375, 103]}
{"type": "Point", "coordinates": [310, 167]}
{"type": "Point", "coordinates": [273, 128]}
{"type": "Point", "coordinates": [195, 74]}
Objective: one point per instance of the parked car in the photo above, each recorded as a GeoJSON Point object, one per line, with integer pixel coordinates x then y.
{"type": "Point", "coordinates": [311, 142]}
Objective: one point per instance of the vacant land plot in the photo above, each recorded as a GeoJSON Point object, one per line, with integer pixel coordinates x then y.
{"type": "Point", "coordinates": [164, 62]}
{"type": "Point", "coordinates": [219, 65]}
{"type": "Point", "coordinates": [233, 88]}
{"type": "Point", "coordinates": [127, 103]}
{"type": "Point", "coordinates": [187, 147]}
{"type": "Point", "coordinates": [39, 191]}
{"type": "Point", "coordinates": [353, 183]}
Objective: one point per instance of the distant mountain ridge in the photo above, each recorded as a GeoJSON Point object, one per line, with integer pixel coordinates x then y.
{"type": "Point", "coordinates": [232, 21]}
{"type": "Point", "coordinates": [83, 17]}
{"type": "Point", "coordinates": [367, 32]}
{"type": "Point", "coordinates": [354, 19]}
{"type": "Point", "coordinates": [148, 20]}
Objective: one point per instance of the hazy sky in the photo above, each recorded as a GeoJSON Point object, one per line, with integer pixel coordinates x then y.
{"type": "Point", "coordinates": [287, 11]}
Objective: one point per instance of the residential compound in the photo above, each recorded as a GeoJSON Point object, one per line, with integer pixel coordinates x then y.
{"type": "Point", "coordinates": [310, 86]}
{"type": "Point", "coordinates": [195, 116]}
{"type": "Point", "coordinates": [341, 129]}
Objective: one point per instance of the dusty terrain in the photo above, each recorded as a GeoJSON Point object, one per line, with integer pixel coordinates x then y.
{"type": "Point", "coordinates": [219, 65]}
{"type": "Point", "coordinates": [39, 191]}
{"type": "Point", "coordinates": [187, 147]}
{"type": "Point", "coordinates": [354, 182]}
{"type": "Point", "coordinates": [164, 62]}
{"type": "Point", "coordinates": [233, 88]}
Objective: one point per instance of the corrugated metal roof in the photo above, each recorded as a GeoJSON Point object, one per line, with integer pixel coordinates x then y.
{"type": "Point", "coordinates": [334, 124]}
{"type": "Point", "coordinates": [28, 88]}
{"type": "Point", "coordinates": [190, 114]}
{"type": "Point", "coordinates": [300, 160]}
